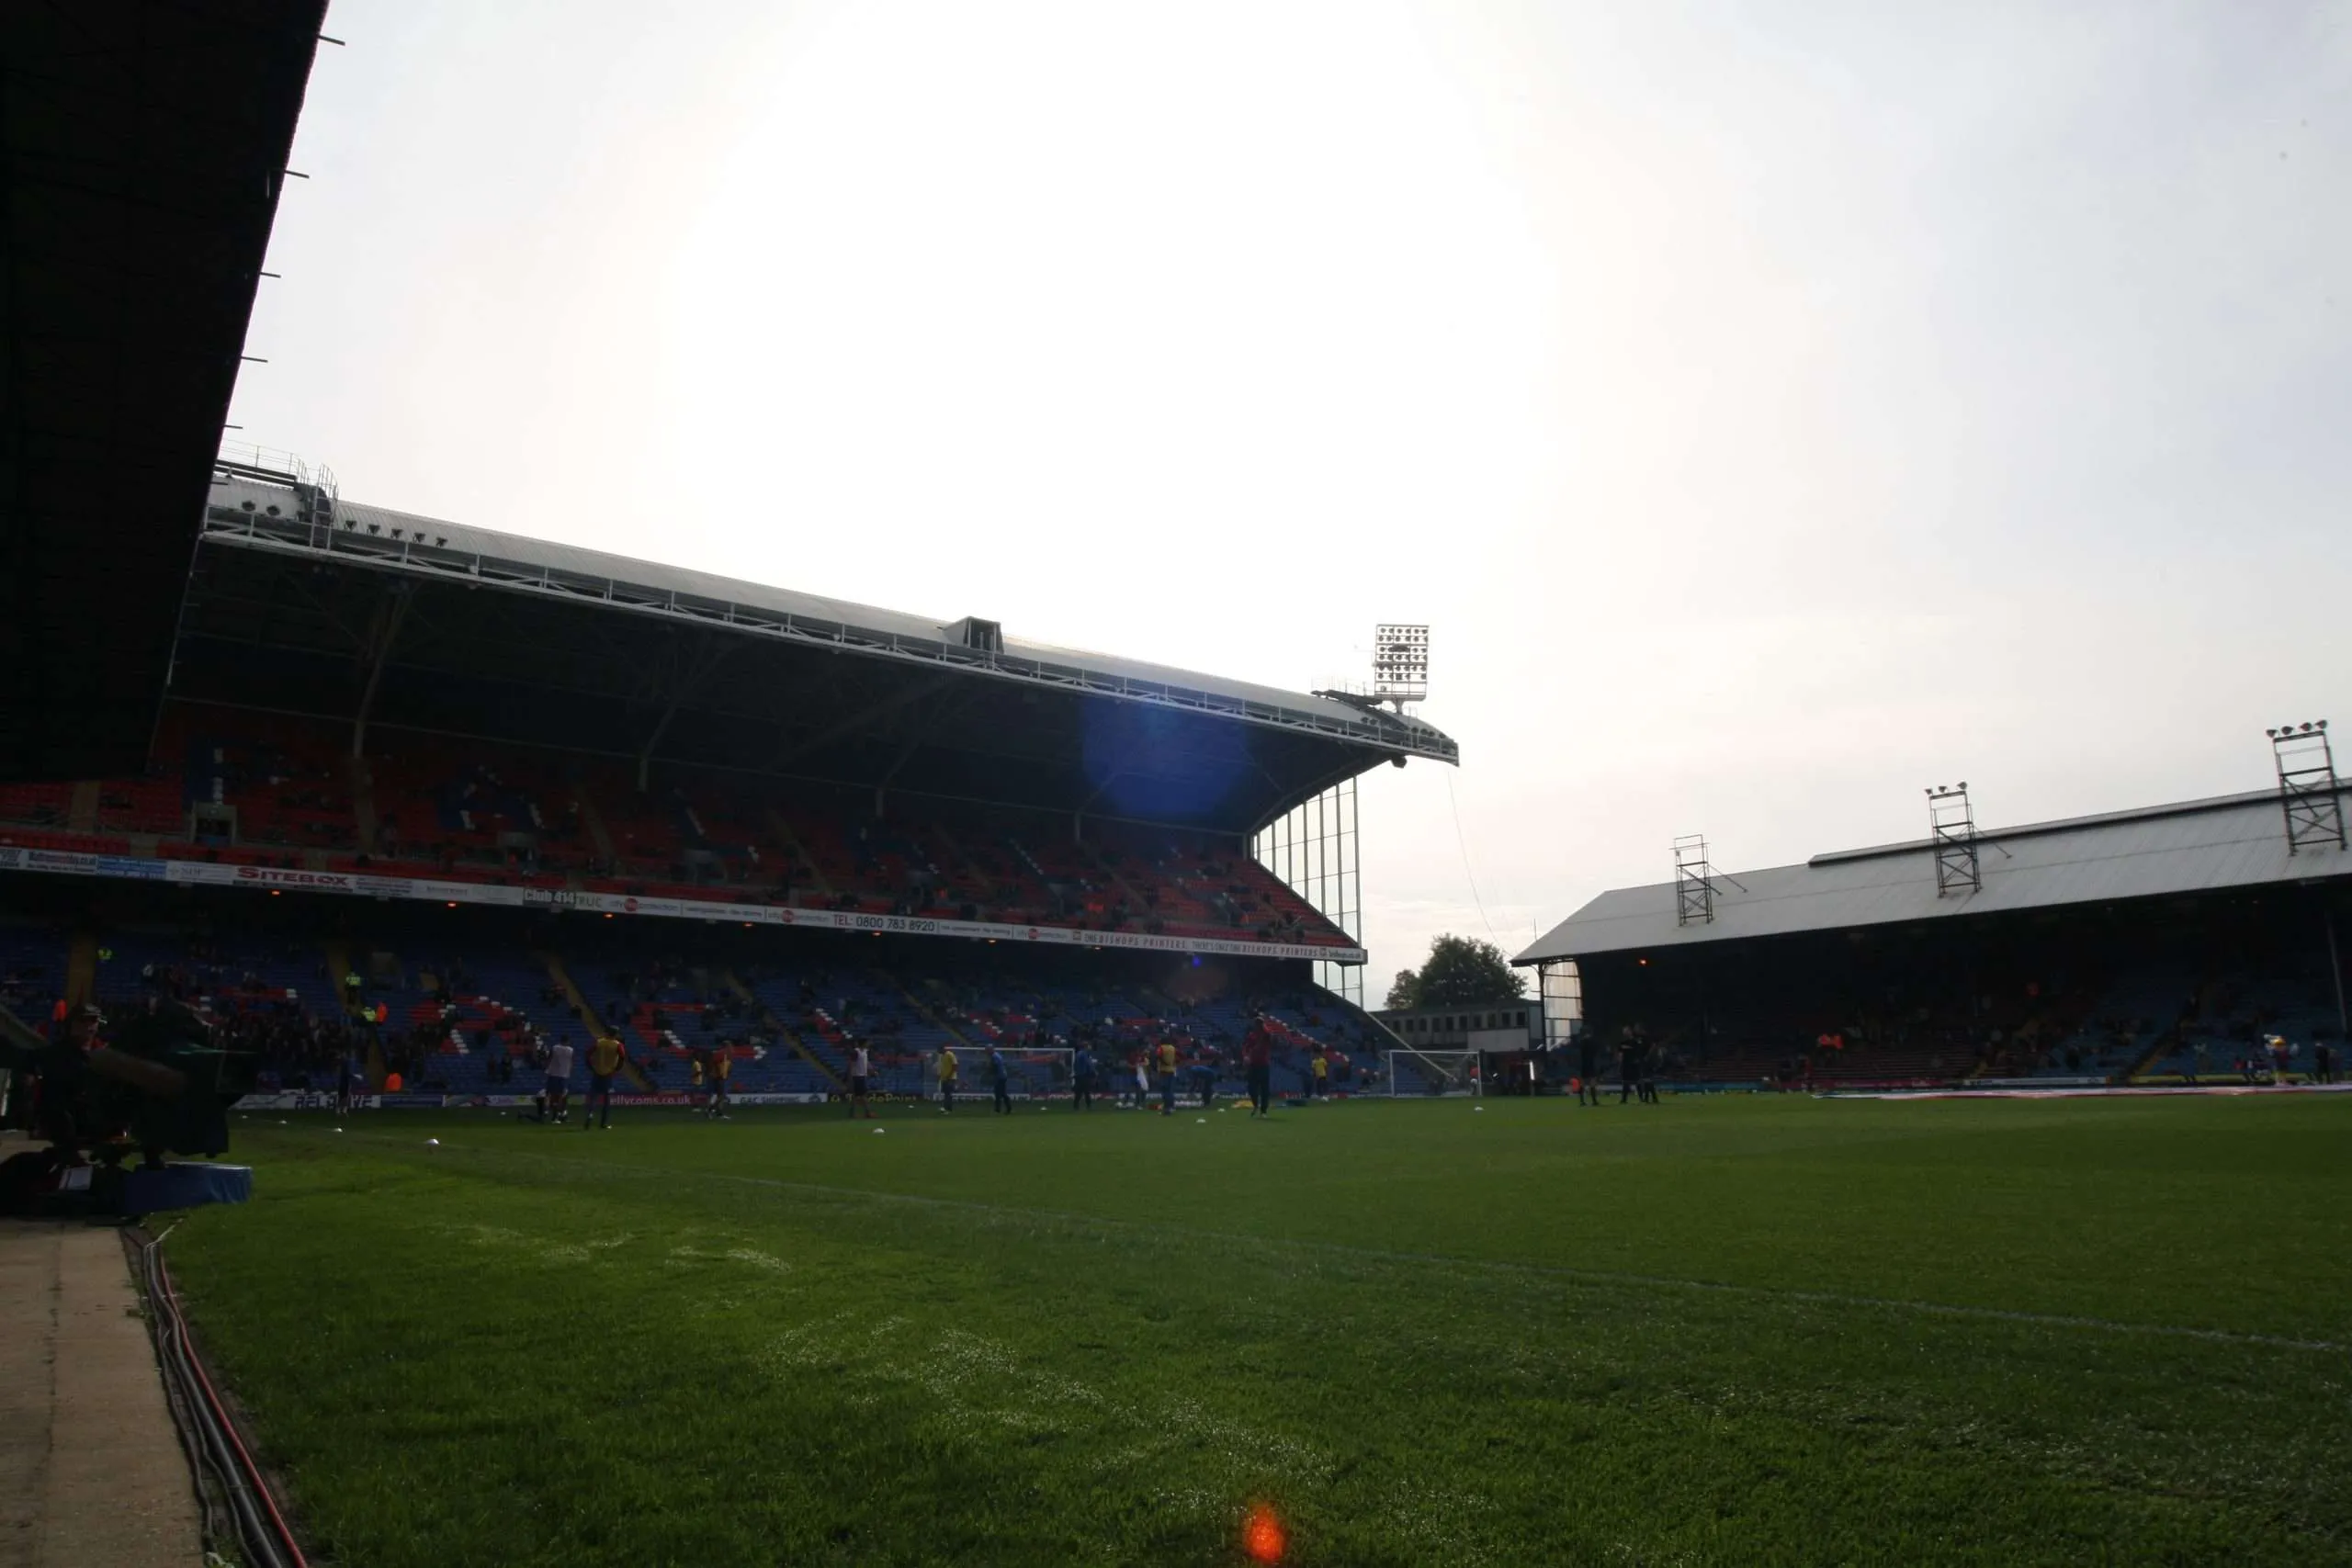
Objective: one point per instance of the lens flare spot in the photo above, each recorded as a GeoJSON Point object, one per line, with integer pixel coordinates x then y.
{"type": "Point", "coordinates": [1261, 1535]}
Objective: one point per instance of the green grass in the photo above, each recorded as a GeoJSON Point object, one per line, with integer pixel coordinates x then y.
{"type": "Point", "coordinates": [1731, 1330]}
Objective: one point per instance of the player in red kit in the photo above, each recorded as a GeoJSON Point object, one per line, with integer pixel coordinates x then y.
{"type": "Point", "coordinates": [1258, 1061]}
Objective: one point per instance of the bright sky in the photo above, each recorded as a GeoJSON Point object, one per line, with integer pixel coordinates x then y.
{"type": "Point", "coordinates": [1774, 408]}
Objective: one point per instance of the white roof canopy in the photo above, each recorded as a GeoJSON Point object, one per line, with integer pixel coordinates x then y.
{"type": "Point", "coordinates": [2199, 846]}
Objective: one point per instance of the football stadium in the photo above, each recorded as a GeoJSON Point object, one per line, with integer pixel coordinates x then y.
{"type": "Point", "coordinates": [520, 1054]}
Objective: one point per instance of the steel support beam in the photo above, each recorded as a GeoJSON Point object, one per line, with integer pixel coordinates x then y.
{"type": "Point", "coordinates": [862, 718]}
{"type": "Point", "coordinates": [376, 652]}
{"type": "Point", "coordinates": [696, 663]}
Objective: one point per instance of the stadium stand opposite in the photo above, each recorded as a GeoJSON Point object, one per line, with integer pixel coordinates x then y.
{"type": "Point", "coordinates": [2135, 946]}
{"type": "Point", "coordinates": [269, 793]}
{"type": "Point", "coordinates": [466, 1006]}
{"type": "Point", "coordinates": [522, 793]}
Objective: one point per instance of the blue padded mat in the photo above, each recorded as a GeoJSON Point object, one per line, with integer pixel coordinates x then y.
{"type": "Point", "coordinates": [186, 1187]}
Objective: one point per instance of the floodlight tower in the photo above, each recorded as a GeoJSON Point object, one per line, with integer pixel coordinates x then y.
{"type": "Point", "coordinates": [2309, 791]}
{"type": "Point", "coordinates": [1313, 846]}
{"type": "Point", "coordinates": [1401, 663]}
{"type": "Point", "coordinates": [1951, 823]}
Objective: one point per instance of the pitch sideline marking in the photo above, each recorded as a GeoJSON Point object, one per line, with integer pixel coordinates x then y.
{"type": "Point", "coordinates": [1504, 1265]}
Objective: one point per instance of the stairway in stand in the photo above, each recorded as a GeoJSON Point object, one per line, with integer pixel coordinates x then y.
{"type": "Point", "coordinates": [784, 1031]}
{"type": "Point", "coordinates": [589, 1021]}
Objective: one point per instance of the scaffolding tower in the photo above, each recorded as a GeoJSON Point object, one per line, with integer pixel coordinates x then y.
{"type": "Point", "coordinates": [2309, 791]}
{"type": "Point", "coordinates": [1951, 823]}
{"type": "Point", "coordinates": [1694, 882]}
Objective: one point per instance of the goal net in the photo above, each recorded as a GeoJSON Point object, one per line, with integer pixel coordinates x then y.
{"type": "Point", "coordinates": [1030, 1072]}
{"type": "Point", "coordinates": [1426, 1074]}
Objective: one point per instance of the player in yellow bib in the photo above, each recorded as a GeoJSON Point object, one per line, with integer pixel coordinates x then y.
{"type": "Point", "coordinates": [947, 1070]}
{"type": "Point", "coordinates": [722, 1066]}
{"type": "Point", "coordinates": [1167, 1066]}
{"type": "Point", "coordinates": [604, 1059]}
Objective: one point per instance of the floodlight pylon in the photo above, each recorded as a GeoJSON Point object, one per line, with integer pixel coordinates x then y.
{"type": "Point", "coordinates": [1951, 825]}
{"type": "Point", "coordinates": [1694, 882]}
{"type": "Point", "coordinates": [2309, 791]}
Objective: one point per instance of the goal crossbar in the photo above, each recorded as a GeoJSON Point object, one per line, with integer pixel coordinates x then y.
{"type": "Point", "coordinates": [1031, 1072]}
{"type": "Point", "coordinates": [1437, 1072]}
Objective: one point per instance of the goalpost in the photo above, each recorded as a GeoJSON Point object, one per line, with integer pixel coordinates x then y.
{"type": "Point", "coordinates": [1426, 1074]}
{"type": "Point", "coordinates": [1041, 1072]}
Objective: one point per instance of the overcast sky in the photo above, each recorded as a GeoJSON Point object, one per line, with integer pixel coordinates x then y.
{"type": "Point", "coordinates": [1774, 407]}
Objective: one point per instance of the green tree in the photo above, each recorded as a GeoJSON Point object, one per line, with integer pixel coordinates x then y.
{"type": "Point", "coordinates": [1462, 971]}
{"type": "Point", "coordinates": [1402, 991]}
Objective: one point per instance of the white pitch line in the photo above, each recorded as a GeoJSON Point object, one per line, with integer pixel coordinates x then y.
{"type": "Point", "coordinates": [1439, 1260]}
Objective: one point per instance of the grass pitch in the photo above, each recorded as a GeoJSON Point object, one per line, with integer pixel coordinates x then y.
{"type": "Point", "coordinates": [1719, 1330]}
